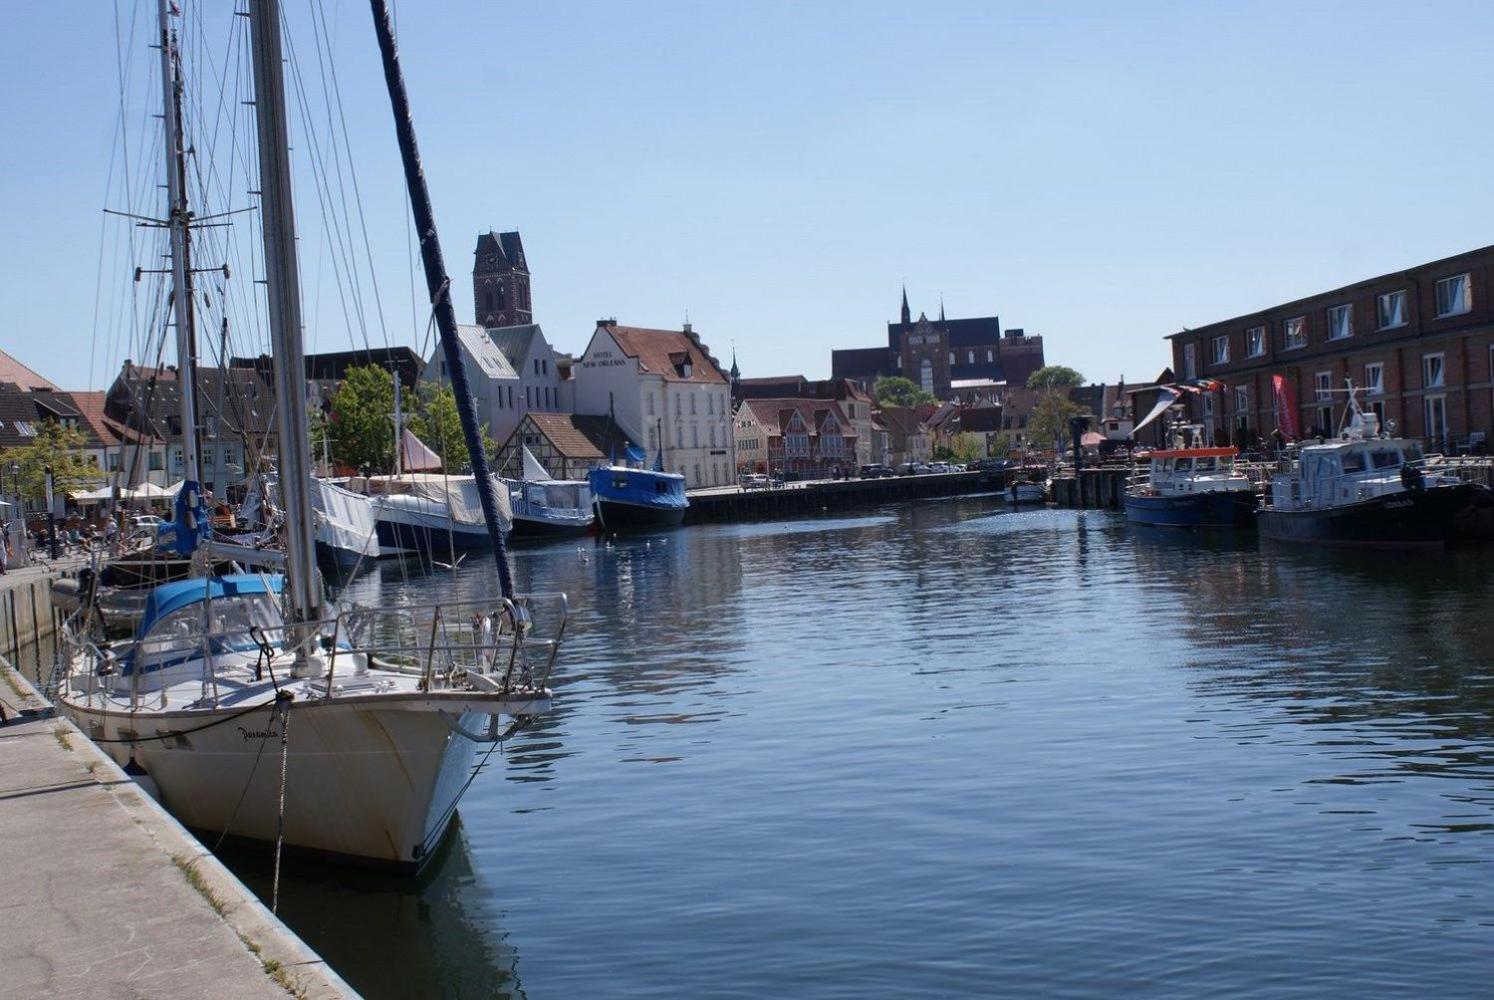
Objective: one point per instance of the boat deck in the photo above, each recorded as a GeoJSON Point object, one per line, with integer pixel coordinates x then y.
{"type": "Point", "coordinates": [97, 895]}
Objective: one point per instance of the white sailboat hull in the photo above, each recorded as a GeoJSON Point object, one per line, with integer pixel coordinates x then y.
{"type": "Point", "coordinates": [373, 780]}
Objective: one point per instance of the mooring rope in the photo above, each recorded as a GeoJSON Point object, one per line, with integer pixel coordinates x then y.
{"type": "Point", "coordinates": [280, 821]}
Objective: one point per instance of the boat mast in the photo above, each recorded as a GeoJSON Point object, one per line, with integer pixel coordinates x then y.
{"type": "Point", "coordinates": [277, 212]}
{"type": "Point", "coordinates": [179, 219]}
{"type": "Point", "coordinates": [439, 286]}
{"type": "Point", "coordinates": [399, 428]}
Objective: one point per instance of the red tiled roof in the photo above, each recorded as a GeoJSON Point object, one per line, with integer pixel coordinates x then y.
{"type": "Point", "coordinates": [13, 371]}
{"type": "Point", "coordinates": [660, 351]}
{"type": "Point", "coordinates": [579, 436]}
{"type": "Point", "coordinates": [776, 413]}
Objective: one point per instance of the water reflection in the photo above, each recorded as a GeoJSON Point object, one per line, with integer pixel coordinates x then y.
{"type": "Point", "coordinates": [393, 936]}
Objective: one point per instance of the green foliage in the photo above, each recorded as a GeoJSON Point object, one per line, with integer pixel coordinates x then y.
{"type": "Point", "coordinates": [963, 448]}
{"type": "Point", "coordinates": [362, 419]}
{"type": "Point", "coordinates": [1050, 419]}
{"type": "Point", "coordinates": [439, 426]}
{"type": "Point", "coordinates": [58, 446]}
{"type": "Point", "coordinates": [1055, 377]}
{"type": "Point", "coordinates": [894, 390]}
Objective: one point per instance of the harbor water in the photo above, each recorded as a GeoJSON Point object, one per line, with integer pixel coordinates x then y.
{"type": "Point", "coordinates": [949, 750]}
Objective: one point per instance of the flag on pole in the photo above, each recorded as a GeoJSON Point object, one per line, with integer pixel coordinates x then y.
{"type": "Point", "coordinates": [1286, 407]}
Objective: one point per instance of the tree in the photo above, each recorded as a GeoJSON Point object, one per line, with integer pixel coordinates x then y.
{"type": "Point", "coordinates": [362, 419]}
{"type": "Point", "coordinates": [894, 390]}
{"type": "Point", "coordinates": [60, 447]}
{"type": "Point", "coordinates": [1050, 418]}
{"type": "Point", "coordinates": [963, 448]}
{"type": "Point", "coordinates": [439, 426]}
{"type": "Point", "coordinates": [1054, 377]}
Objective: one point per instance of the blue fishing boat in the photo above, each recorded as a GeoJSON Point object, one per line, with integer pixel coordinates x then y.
{"type": "Point", "coordinates": [629, 499]}
{"type": "Point", "coordinates": [1193, 488]}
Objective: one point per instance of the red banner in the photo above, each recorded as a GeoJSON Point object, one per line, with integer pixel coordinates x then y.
{"type": "Point", "coordinates": [1286, 407]}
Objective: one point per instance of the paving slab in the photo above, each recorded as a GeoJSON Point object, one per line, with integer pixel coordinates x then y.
{"type": "Point", "coordinates": [105, 895]}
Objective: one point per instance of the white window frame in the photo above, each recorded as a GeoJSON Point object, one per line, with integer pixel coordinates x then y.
{"type": "Point", "coordinates": [1341, 321]}
{"type": "Point", "coordinates": [1465, 300]}
{"type": "Point", "coordinates": [1255, 342]}
{"type": "Point", "coordinates": [1219, 349]}
{"type": "Point", "coordinates": [1427, 382]}
{"type": "Point", "coordinates": [1381, 301]}
{"type": "Point", "coordinates": [1242, 399]}
{"type": "Point", "coordinates": [1190, 360]}
{"type": "Point", "coordinates": [1299, 324]}
{"type": "Point", "coordinates": [1374, 386]}
{"type": "Point", "coordinates": [1323, 385]}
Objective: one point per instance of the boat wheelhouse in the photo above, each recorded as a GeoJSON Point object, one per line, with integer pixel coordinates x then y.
{"type": "Point", "coordinates": [1192, 488]}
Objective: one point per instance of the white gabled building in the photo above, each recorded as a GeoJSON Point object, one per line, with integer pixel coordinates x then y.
{"type": "Point", "coordinates": [495, 385]}
{"type": "Point", "coordinates": [666, 393]}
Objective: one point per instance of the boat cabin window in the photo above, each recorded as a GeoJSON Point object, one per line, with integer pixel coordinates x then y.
{"type": "Point", "coordinates": [1385, 458]}
{"type": "Point", "coordinates": [620, 481]}
{"type": "Point", "coordinates": [661, 486]}
{"type": "Point", "coordinates": [182, 628]}
{"type": "Point", "coordinates": [1227, 463]}
{"type": "Point", "coordinates": [1185, 465]}
{"type": "Point", "coordinates": [1162, 466]}
{"type": "Point", "coordinates": [1203, 465]}
{"type": "Point", "coordinates": [1354, 461]}
{"type": "Point", "coordinates": [1413, 452]}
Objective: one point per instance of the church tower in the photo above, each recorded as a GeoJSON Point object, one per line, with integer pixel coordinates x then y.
{"type": "Point", "coordinates": [500, 281]}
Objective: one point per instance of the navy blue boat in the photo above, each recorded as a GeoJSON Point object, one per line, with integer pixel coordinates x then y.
{"type": "Point", "coordinates": [1193, 488]}
{"type": "Point", "coordinates": [637, 499]}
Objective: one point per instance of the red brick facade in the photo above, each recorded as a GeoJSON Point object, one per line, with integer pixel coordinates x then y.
{"type": "Point", "coordinates": [1412, 324]}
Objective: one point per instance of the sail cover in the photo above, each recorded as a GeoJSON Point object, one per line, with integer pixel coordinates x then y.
{"type": "Point", "coordinates": [1165, 398]}
{"type": "Point", "coordinates": [533, 471]}
{"type": "Point", "coordinates": [415, 456]}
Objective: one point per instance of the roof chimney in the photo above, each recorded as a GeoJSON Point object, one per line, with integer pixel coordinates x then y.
{"type": "Point", "coordinates": [686, 329]}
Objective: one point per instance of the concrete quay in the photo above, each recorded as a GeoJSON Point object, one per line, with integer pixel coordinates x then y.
{"type": "Point", "coordinates": [732, 503]}
{"type": "Point", "coordinates": [105, 895]}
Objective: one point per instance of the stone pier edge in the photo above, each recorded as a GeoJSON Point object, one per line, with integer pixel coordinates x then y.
{"type": "Point", "coordinates": [286, 959]}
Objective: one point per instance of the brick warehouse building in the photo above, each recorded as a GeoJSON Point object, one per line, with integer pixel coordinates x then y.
{"type": "Point", "coordinates": [1420, 342]}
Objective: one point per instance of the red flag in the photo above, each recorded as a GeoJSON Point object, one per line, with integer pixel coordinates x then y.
{"type": "Point", "coordinates": [1286, 407]}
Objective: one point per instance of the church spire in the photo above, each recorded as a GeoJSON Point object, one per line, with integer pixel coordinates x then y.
{"type": "Point", "coordinates": [941, 307]}
{"type": "Point", "coordinates": [907, 315]}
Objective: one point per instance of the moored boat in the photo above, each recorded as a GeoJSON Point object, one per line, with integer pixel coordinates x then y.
{"type": "Point", "coordinates": [1369, 490]}
{"type": "Point", "coordinates": [1192, 488]}
{"type": "Point", "coordinates": [629, 499]}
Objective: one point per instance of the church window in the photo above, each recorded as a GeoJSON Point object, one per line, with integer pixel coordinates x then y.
{"type": "Point", "coordinates": [951, 357]}
{"type": "Point", "coordinates": [926, 375]}
{"type": "Point", "coordinates": [990, 356]}
{"type": "Point", "coordinates": [972, 357]}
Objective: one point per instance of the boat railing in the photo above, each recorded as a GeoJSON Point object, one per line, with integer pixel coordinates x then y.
{"type": "Point", "coordinates": [505, 646]}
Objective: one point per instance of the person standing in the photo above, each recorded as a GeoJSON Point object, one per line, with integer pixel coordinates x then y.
{"type": "Point", "coordinates": [4, 547]}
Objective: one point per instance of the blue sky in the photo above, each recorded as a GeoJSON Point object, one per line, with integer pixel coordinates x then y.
{"type": "Point", "coordinates": [1102, 174]}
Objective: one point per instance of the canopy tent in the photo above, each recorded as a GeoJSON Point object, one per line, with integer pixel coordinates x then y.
{"type": "Point", "coordinates": [150, 491]}
{"type": "Point", "coordinates": [94, 496]}
{"type": "Point", "coordinates": [1092, 439]}
{"type": "Point", "coordinates": [414, 456]}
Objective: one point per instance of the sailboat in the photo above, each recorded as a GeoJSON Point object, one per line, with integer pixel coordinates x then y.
{"type": "Point", "coordinates": [260, 716]}
{"type": "Point", "coordinates": [544, 506]}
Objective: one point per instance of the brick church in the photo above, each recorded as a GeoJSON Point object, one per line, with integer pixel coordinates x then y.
{"type": "Point", "coordinates": [938, 355]}
{"type": "Point", "coordinates": [500, 281]}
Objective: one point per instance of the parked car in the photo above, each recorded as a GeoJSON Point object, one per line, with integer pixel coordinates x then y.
{"type": "Point", "coordinates": [754, 481]}
{"type": "Point", "coordinates": [876, 471]}
{"type": "Point", "coordinates": [940, 467]}
{"type": "Point", "coordinates": [913, 469]}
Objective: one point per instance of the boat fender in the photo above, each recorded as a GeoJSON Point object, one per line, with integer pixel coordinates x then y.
{"type": "Point", "coordinates": [142, 778]}
{"type": "Point", "coordinates": [1411, 477]}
